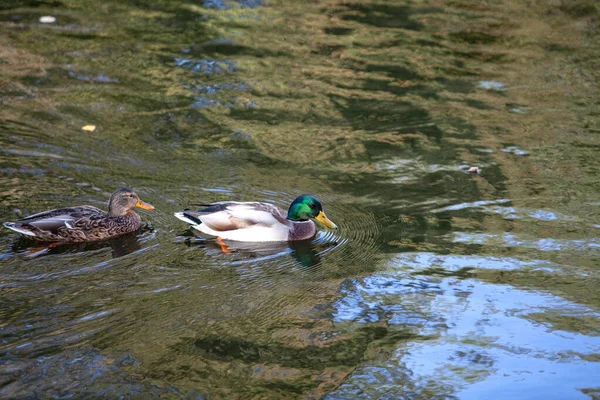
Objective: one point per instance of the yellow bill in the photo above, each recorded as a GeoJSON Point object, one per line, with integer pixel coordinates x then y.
{"type": "Point", "coordinates": [322, 218]}
{"type": "Point", "coordinates": [143, 205]}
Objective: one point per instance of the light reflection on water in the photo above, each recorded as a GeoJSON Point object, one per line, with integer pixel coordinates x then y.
{"type": "Point", "coordinates": [589, 246]}
{"type": "Point", "coordinates": [477, 337]}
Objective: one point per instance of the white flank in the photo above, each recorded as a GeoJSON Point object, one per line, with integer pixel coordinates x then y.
{"type": "Point", "coordinates": [10, 226]}
{"type": "Point", "coordinates": [254, 233]}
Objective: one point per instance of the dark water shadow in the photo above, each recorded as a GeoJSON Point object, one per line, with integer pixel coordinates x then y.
{"type": "Point", "coordinates": [342, 352]}
{"type": "Point", "coordinates": [386, 16]}
{"type": "Point", "coordinates": [121, 246]}
{"type": "Point", "coordinates": [386, 115]}
{"type": "Point", "coordinates": [9, 4]}
{"type": "Point", "coordinates": [226, 47]}
{"type": "Point", "coordinates": [210, 349]}
{"type": "Point", "coordinates": [338, 31]}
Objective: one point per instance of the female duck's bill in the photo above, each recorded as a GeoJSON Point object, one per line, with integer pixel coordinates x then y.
{"type": "Point", "coordinates": [145, 206]}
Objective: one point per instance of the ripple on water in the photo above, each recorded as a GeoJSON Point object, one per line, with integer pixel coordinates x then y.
{"type": "Point", "coordinates": [357, 226]}
{"type": "Point", "coordinates": [413, 262]}
{"type": "Point", "coordinates": [492, 86]}
{"type": "Point", "coordinates": [82, 372]}
{"type": "Point", "coordinates": [228, 4]}
{"type": "Point", "coordinates": [515, 150]}
{"type": "Point", "coordinates": [501, 207]}
{"type": "Point", "coordinates": [413, 169]}
{"type": "Point", "coordinates": [207, 67]}
{"type": "Point", "coordinates": [276, 275]}
{"type": "Point", "coordinates": [507, 239]}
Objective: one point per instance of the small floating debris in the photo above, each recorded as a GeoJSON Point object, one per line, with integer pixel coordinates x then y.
{"type": "Point", "coordinates": [47, 19]}
{"type": "Point", "coordinates": [515, 150]}
{"type": "Point", "coordinates": [492, 85]}
{"type": "Point", "coordinates": [89, 128]}
{"type": "Point", "coordinates": [474, 170]}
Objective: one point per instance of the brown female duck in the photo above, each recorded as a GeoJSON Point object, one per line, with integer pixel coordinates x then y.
{"type": "Point", "coordinates": [84, 223]}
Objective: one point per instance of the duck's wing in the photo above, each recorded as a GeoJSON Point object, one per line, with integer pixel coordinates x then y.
{"type": "Point", "coordinates": [52, 220]}
{"type": "Point", "coordinates": [227, 216]}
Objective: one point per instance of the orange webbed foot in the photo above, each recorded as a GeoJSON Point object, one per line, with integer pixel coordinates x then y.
{"type": "Point", "coordinates": [222, 245]}
{"type": "Point", "coordinates": [38, 251]}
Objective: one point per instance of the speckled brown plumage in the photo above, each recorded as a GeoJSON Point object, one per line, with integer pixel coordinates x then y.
{"type": "Point", "coordinates": [84, 223]}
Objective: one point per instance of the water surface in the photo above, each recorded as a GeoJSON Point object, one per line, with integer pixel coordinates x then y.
{"type": "Point", "coordinates": [440, 283]}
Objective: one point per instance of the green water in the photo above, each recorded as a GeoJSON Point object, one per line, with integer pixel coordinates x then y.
{"type": "Point", "coordinates": [438, 284]}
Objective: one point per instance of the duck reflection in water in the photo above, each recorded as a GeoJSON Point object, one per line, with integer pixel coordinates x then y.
{"type": "Point", "coordinates": [121, 245]}
{"type": "Point", "coordinates": [306, 253]}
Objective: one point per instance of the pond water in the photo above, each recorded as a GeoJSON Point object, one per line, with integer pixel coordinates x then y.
{"type": "Point", "coordinates": [440, 283]}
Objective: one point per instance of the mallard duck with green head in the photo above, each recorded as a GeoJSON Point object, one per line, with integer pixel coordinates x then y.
{"type": "Point", "coordinates": [84, 223]}
{"type": "Point", "coordinates": [258, 222]}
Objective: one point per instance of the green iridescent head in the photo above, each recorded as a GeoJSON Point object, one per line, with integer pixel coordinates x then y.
{"type": "Point", "coordinates": [307, 207]}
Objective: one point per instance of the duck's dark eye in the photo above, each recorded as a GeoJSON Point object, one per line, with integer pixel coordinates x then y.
{"type": "Point", "coordinates": [313, 206]}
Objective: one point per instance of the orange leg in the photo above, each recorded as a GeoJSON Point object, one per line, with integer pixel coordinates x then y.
{"type": "Point", "coordinates": [222, 245]}
{"type": "Point", "coordinates": [36, 251]}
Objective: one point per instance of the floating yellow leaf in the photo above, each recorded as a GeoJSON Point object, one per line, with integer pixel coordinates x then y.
{"type": "Point", "coordinates": [89, 128]}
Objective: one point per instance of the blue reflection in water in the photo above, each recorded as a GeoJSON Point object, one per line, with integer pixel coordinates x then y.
{"type": "Point", "coordinates": [546, 244]}
{"type": "Point", "coordinates": [484, 337]}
